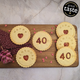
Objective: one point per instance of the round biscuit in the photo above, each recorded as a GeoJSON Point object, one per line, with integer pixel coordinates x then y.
{"type": "Point", "coordinates": [26, 51]}
{"type": "Point", "coordinates": [65, 28]}
{"type": "Point", "coordinates": [64, 40]}
{"type": "Point", "coordinates": [66, 56]}
{"type": "Point", "coordinates": [20, 30]}
{"type": "Point", "coordinates": [42, 41]}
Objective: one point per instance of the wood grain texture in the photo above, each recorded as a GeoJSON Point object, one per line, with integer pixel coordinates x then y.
{"type": "Point", "coordinates": [47, 53]}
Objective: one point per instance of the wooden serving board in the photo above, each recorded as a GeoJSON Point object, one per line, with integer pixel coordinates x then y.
{"type": "Point", "coordinates": [39, 63]}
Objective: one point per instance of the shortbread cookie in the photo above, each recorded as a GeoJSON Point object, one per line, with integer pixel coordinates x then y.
{"type": "Point", "coordinates": [66, 40]}
{"type": "Point", "coordinates": [65, 28]}
{"type": "Point", "coordinates": [20, 35]}
{"type": "Point", "coordinates": [42, 41]}
{"type": "Point", "coordinates": [26, 57]}
{"type": "Point", "coordinates": [66, 56]}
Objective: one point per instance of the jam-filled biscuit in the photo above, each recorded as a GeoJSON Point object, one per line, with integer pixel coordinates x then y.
{"type": "Point", "coordinates": [66, 41]}
{"type": "Point", "coordinates": [66, 56]}
{"type": "Point", "coordinates": [26, 57]}
{"type": "Point", "coordinates": [65, 28]}
{"type": "Point", "coordinates": [20, 35]}
{"type": "Point", "coordinates": [42, 41]}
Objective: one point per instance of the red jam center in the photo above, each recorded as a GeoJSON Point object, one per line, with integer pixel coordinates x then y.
{"type": "Point", "coordinates": [25, 57]}
{"type": "Point", "coordinates": [66, 44]}
{"type": "Point", "coordinates": [65, 31]}
{"type": "Point", "coordinates": [20, 35]}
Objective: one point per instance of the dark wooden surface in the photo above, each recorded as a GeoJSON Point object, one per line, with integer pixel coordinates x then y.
{"type": "Point", "coordinates": [47, 53]}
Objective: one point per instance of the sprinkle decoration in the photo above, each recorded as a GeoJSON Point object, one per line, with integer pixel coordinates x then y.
{"type": "Point", "coordinates": [55, 25]}
{"type": "Point", "coordinates": [52, 28]}
{"type": "Point", "coordinates": [51, 32]}
{"type": "Point", "coordinates": [52, 54]}
{"type": "Point", "coordinates": [55, 41]}
{"type": "Point", "coordinates": [5, 25]}
{"type": "Point", "coordinates": [9, 30]}
{"type": "Point", "coordinates": [13, 61]}
{"type": "Point", "coordinates": [34, 32]}
{"type": "Point", "coordinates": [46, 57]}
{"type": "Point", "coordinates": [34, 29]}
{"type": "Point", "coordinates": [50, 61]}
{"type": "Point", "coordinates": [40, 51]}
{"type": "Point", "coordinates": [43, 59]}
